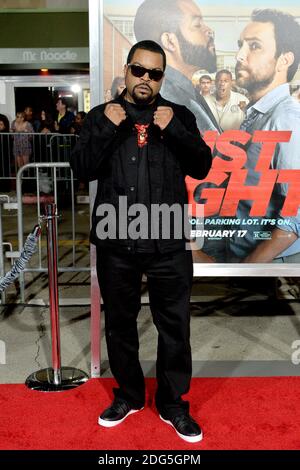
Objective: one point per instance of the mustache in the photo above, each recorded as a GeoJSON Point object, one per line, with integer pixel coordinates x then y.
{"type": "Point", "coordinates": [143, 85]}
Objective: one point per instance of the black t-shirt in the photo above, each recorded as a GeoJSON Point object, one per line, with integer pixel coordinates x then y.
{"type": "Point", "coordinates": [142, 115]}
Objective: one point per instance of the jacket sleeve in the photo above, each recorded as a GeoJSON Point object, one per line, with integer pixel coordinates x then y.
{"type": "Point", "coordinates": [91, 148]}
{"type": "Point", "coordinates": [192, 152]}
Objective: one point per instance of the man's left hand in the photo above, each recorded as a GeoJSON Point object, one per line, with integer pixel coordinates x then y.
{"type": "Point", "coordinates": [163, 116]}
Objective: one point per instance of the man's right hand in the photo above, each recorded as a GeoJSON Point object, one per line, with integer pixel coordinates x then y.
{"type": "Point", "coordinates": [115, 113]}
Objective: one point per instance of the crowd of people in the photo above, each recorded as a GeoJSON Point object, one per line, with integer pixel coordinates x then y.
{"type": "Point", "coordinates": [27, 123]}
{"type": "Point", "coordinates": [26, 138]}
{"type": "Point", "coordinates": [64, 121]}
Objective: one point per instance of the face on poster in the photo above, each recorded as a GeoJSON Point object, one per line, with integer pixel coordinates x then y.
{"type": "Point", "coordinates": [246, 56]}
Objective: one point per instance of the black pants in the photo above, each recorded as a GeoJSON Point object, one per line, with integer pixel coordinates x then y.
{"type": "Point", "coordinates": [169, 283]}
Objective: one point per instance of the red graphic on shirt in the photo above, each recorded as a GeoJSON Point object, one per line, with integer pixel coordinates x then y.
{"type": "Point", "coordinates": [142, 135]}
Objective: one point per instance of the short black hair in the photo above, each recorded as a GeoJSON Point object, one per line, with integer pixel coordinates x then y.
{"type": "Point", "coordinates": [220, 72]}
{"type": "Point", "coordinates": [155, 17]}
{"type": "Point", "coordinates": [147, 46]}
{"type": "Point", "coordinates": [287, 34]}
{"type": "Point", "coordinates": [82, 114]}
{"type": "Point", "coordinates": [63, 101]}
{"type": "Point", "coordinates": [205, 77]}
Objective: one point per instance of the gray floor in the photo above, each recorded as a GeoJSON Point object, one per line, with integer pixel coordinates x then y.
{"type": "Point", "coordinates": [236, 329]}
{"type": "Point", "coordinates": [242, 338]}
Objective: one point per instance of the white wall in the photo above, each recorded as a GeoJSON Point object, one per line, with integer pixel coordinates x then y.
{"type": "Point", "coordinates": [8, 84]}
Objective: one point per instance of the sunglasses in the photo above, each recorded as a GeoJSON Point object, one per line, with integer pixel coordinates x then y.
{"type": "Point", "coordinates": [139, 71]}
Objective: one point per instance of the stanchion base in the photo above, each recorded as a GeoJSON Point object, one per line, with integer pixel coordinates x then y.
{"type": "Point", "coordinates": [43, 380]}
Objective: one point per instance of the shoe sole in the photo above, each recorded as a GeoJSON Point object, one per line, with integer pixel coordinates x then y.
{"type": "Point", "coordinates": [191, 439]}
{"type": "Point", "coordinates": [111, 424]}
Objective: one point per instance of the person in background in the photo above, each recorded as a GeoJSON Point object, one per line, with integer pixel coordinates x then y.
{"type": "Point", "coordinates": [21, 142]}
{"type": "Point", "coordinates": [117, 87]}
{"type": "Point", "coordinates": [28, 112]}
{"type": "Point", "coordinates": [65, 118]}
{"type": "Point", "coordinates": [227, 105]}
{"type": "Point", "coordinates": [4, 123]}
{"type": "Point", "coordinates": [178, 26]}
{"type": "Point", "coordinates": [205, 85]}
{"type": "Point", "coordinates": [46, 123]}
{"type": "Point", "coordinates": [107, 95]}
{"type": "Point", "coordinates": [77, 124]}
{"type": "Point", "coordinates": [4, 155]}
{"type": "Point", "coordinates": [267, 61]}
{"type": "Point", "coordinates": [29, 117]}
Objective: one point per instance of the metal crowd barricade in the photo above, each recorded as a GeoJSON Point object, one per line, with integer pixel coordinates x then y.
{"type": "Point", "coordinates": [7, 163]}
{"type": "Point", "coordinates": [60, 172]}
{"type": "Point", "coordinates": [60, 146]}
{"type": "Point", "coordinates": [3, 198]}
{"type": "Point", "coordinates": [44, 148]}
{"type": "Point", "coordinates": [4, 205]}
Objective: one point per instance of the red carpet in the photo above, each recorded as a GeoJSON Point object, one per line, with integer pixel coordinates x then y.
{"type": "Point", "coordinates": [235, 413]}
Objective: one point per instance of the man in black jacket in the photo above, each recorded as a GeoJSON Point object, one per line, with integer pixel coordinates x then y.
{"type": "Point", "coordinates": [140, 147]}
{"type": "Point", "coordinates": [65, 118]}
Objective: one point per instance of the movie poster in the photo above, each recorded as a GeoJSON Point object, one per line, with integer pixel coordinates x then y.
{"type": "Point", "coordinates": [235, 66]}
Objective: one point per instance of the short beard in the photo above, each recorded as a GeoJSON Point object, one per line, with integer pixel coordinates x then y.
{"type": "Point", "coordinates": [252, 85]}
{"type": "Point", "coordinates": [198, 56]}
{"type": "Point", "coordinates": [139, 100]}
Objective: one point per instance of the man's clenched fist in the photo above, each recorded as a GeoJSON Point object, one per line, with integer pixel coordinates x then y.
{"type": "Point", "coordinates": [163, 116]}
{"type": "Point", "coordinates": [115, 113]}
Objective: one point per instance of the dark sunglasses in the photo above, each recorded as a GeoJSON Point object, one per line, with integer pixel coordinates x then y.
{"type": "Point", "coordinates": [139, 71]}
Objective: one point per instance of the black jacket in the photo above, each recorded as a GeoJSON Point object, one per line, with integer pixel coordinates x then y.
{"type": "Point", "coordinates": [173, 153]}
{"type": "Point", "coordinates": [66, 122]}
